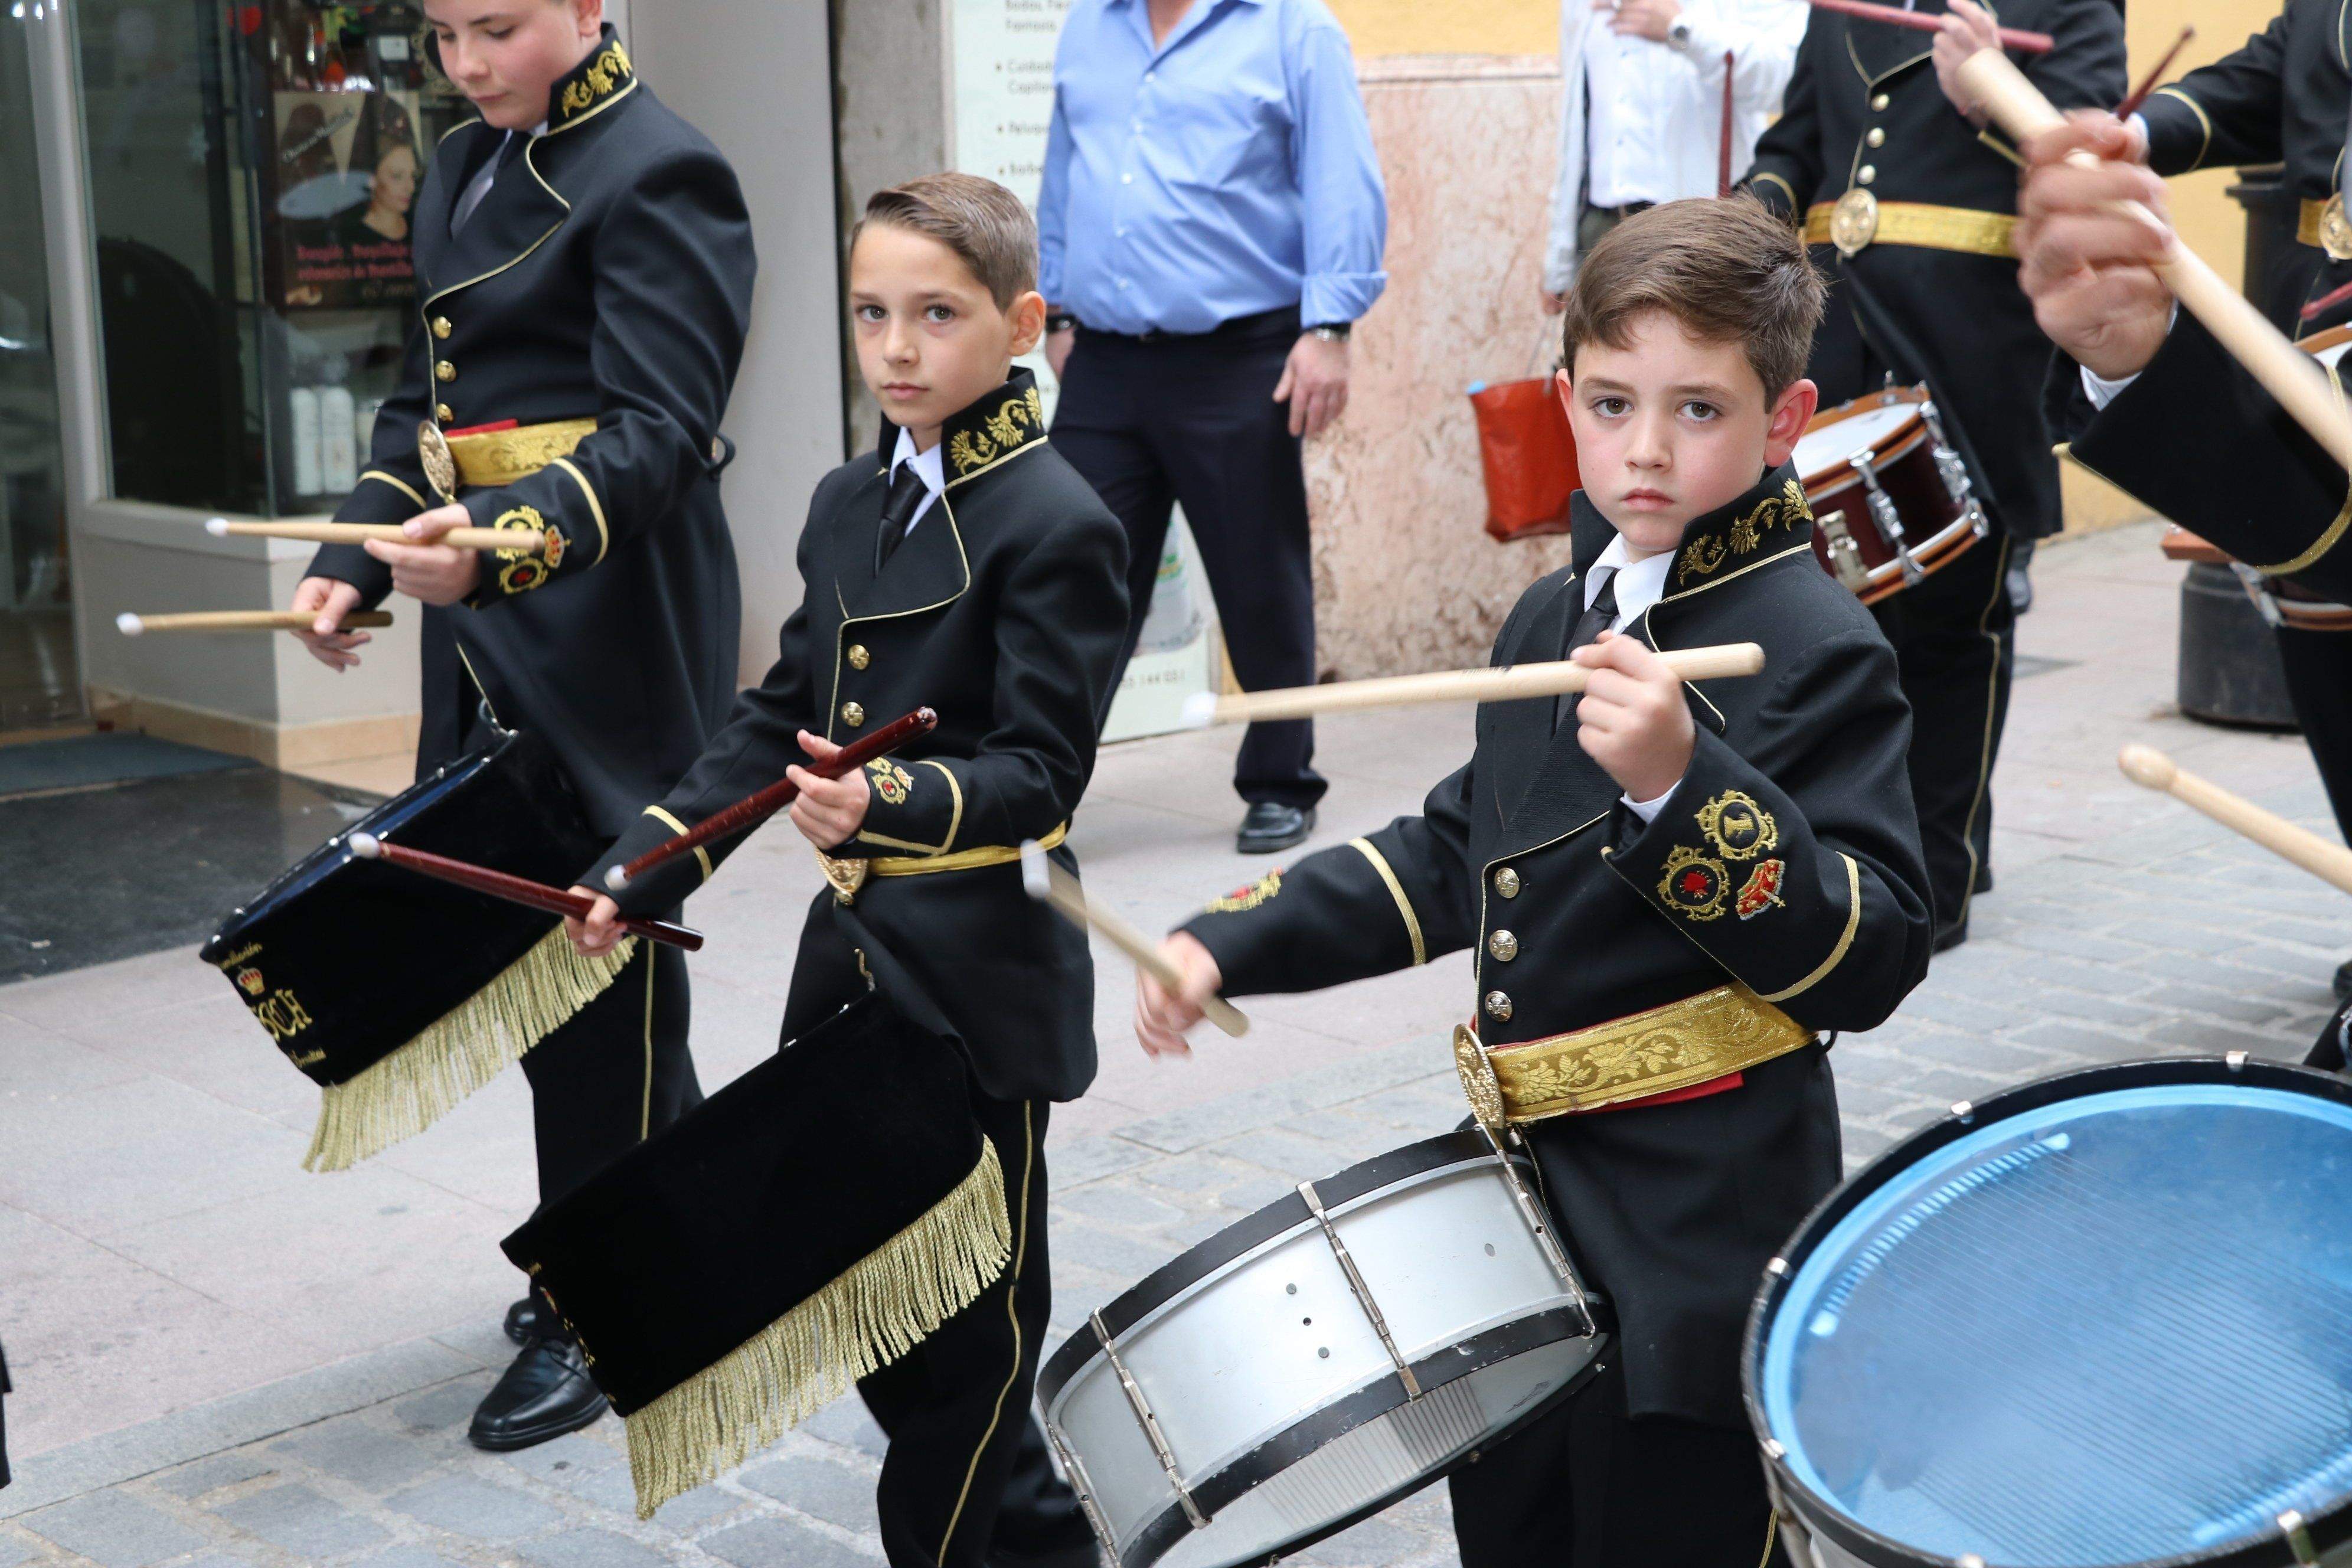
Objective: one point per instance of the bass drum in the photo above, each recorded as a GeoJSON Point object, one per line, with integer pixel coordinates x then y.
{"type": "Point", "coordinates": [1313, 1364]}
{"type": "Point", "coordinates": [2105, 1319]}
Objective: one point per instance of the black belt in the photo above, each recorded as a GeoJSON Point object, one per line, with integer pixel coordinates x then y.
{"type": "Point", "coordinates": [1283, 318]}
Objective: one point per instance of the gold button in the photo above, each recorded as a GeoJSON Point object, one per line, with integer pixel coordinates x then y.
{"type": "Point", "coordinates": [858, 658]}
{"type": "Point", "coordinates": [1879, 102]}
{"type": "Point", "coordinates": [718, 450]}
{"type": "Point", "coordinates": [1504, 945]}
{"type": "Point", "coordinates": [445, 371]}
{"type": "Point", "coordinates": [1507, 882]}
{"type": "Point", "coordinates": [852, 714]}
{"type": "Point", "coordinates": [1877, 137]}
{"type": "Point", "coordinates": [1869, 173]}
{"type": "Point", "coordinates": [440, 326]}
{"type": "Point", "coordinates": [443, 413]}
{"type": "Point", "coordinates": [1498, 1006]}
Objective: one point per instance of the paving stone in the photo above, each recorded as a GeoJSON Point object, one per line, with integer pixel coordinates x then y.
{"type": "Point", "coordinates": [1869, 1101]}
{"type": "Point", "coordinates": [2194, 1034]}
{"type": "Point", "coordinates": [848, 1423]}
{"type": "Point", "coordinates": [114, 1530]}
{"type": "Point", "coordinates": [210, 1475]}
{"type": "Point", "coordinates": [593, 1549]}
{"type": "Point", "coordinates": [1180, 1132]}
{"type": "Point", "coordinates": [565, 1459]}
{"type": "Point", "coordinates": [2082, 1044]}
{"type": "Point", "coordinates": [1279, 1149]}
{"type": "Point", "coordinates": [1194, 1232]}
{"type": "Point", "coordinates": [464, 1505]}
{"type": "Point", "coordinates": [1117, 1204]}
{"type": "Point", "coordinates": [1256, 1193]}
{"type": "Point", "coordinates": [15, 1549]}
{"type": "Point", "coordinates": [444, 1408]}
{"type": "Point", "coordinates": [2330, 935]}
{"type": "Point", "coordinates": [410, 1556]}
{"type": "Point", "coordinates": [1107, 1251]}
{"type": "Point", "coordinates": [781, 1543]}
{"type": "Point", "coordinates": [818, 1488]}
{"type": "Point", "coordinates": [2215, 1002]}
{"type": "Point", "coordinates": [2097, 1009]}
{"type": "Point", "coordinates": [1083, 1159]}
{"type": "Point", "coordinates": [1192, 1173]}
{"type": "Point", "coordinates": [2074, 943]}
{"type": "Point", "coordinates": [301, 1520]}
{"type": "Point", "coordinates": [373, 1458]}
{"type": "Point", "coordinates": [1371, 1544]}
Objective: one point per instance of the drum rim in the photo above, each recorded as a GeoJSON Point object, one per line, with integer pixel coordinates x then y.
{"type": "Point", "coordinates": [2327, 1529]}
{"type": "Point", "coordinates": [1253, 1230]}
{"type": "Point", "coordinates": [1220, 1489]}
{"type": "Point", "coordinates": [1906, 435]}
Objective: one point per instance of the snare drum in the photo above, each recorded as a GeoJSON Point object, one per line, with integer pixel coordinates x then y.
{"type": "Point", "coordinates": [1891, 499]}
{"type": "Point", "coordinates": [2102, 1318]}
{"type": "Point", "coordinates": [1311, 1364]}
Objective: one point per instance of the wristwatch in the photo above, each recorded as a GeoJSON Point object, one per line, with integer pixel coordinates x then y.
{"type": "Point", "coordinates": [1332, 332]}
{"type": "Point", "coordinates": [1679, 34]}
{"type": "Point", "coordinates": [1060, 321]}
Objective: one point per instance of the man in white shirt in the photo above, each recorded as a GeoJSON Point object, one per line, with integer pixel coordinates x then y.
{"type": "Point", "coordinates": [1641, 117]}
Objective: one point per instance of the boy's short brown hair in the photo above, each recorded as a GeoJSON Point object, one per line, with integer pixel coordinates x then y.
{"type": "Point", "coordinates": [1728, 270]}
{"type": "Point", "coordinates": [978, 219]}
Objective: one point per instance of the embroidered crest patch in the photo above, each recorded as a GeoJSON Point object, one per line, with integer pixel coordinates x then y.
{"type": "Point", "coordinates": [1737, 826]}
{"type": "Point", "coordinates": [890, 781]}
{"type": "Point", "coordinates": [1761, 891]}
{"type": "Point", "coordinates": [250, 981]}
{"type": "Point", "coordinates": [522, 569]}
{"type": "Point", "coordinates": [1692, 884]}
{"type": "Point", "coordinates": [1243, 900]}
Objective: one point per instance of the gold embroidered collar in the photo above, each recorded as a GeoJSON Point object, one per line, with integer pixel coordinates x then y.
{"type": "Point", "coordinates": [603, 75]}
{"type": "Point", "coordinates": [1766, 520]}
{"type": "Point", "coordinates": [1002, 424]}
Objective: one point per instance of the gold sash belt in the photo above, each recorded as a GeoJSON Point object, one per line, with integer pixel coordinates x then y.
{"type": "Point", "coordinates": [1679, 1046]}
{"type": "Point", "coordinates": [2322, 224]}
{"type": "Point", "coordinates": [489, 458]}
{"type": "Point", "coordinates": [1872, 222]}
{"type": "Point", "coordinates": [849, 874]}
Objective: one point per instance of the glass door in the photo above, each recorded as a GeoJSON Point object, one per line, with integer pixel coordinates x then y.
{"type": "Point", "coordinates": [38, 681]}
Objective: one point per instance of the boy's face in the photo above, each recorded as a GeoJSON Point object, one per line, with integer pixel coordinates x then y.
{"type": "Point", "coordinates": [930, 340]}
{"type": "Point", "coordinates": [505, 55]}
{"type": "Point", "coordinates": [1673, 427]}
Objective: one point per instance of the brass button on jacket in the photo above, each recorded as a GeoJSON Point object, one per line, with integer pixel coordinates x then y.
{"type": "Point", "coordinates": [1504, 945]}
{"type": "Point", "coordinates": [445, 371]}
{"type": "Point", "coordinates": [1877, 137]}
{"type": "Point", "coordinates": [858, 658]}
{"type": "Point", "coordinates": [1880, 101]}
{"type": "Point", "coordinates": [443, 413]}
{"type": "Point", "coordinates": [1869, 173]}
{"type": "Point", "coordinates": [1507, 882]}
{"type": "Point", "coordinates": [441, 327]}
{"type": "Point", "coordinates": [1498, 1006]}
{"type": "Point", "coordinates": [853, 714]}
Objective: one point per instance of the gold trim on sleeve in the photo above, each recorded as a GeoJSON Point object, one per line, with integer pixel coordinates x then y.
{"type": "Point", "coordinates": [1796, 207]}
{"type": "Point", "coordinates": [595, 506]}
{"type": "Point", "coordinates": [1846, 938]}
{"type": "Point", "coordinates": [1396, 890]}
{"type": "Point", "coordinates": [400, 485]}
{"type": "Point", "coordinates": [2334, 534]}
{"type": "Point", "coordinates": [2204, 121]}
{"type": "Point", "coordinates": [955, 819]}
{"type": "Point", "coordinates": [700, 854]}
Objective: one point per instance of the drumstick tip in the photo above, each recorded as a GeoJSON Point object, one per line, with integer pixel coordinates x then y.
{"type": "Point", "coordinates": [2147, 767]}
{"type": "Point", "coordinates": [128, 625]}
{"type": "Point", "coordinates": [1035, 879]}
{"type": "Point", "coordinates": [366, 846]}
{"type": "Point", "coordinates": [217, 527]}
{"type": "Point", "coordinates": [617, 879]}
{"type": "Point", "coordinates": [1200, 711]}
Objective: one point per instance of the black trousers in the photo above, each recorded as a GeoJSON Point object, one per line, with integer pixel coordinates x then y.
{"type": "Point", "coordinates": [1587, 1487]}
{"type": "Point", "coordinates": [1151, 422]}
{"type": "Point", "coordinates": [613, 1075]}
{"type": "Point", "coordinates": [2319, 683]}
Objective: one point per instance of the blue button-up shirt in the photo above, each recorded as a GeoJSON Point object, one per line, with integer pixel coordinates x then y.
{"type": "Point", "coordinates": [1226, 173]}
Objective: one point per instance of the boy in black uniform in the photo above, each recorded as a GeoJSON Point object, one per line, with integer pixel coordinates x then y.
{"type": "Point", "coordinates": [963, 567]}
{"type": "Point", "coordinates": [1907, 207]}
{"type": "Point", "coordinates": [583, 260]}
{"type": "Point", "coordinates": [1725, 870]}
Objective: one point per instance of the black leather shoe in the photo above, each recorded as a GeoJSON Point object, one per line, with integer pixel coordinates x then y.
{"type": "Point", "coordinates": [1269, 826]}
{"type": "Point", "coordinates": [523, 1324]}
{"type": "Point", "coordinates": [2344, 981]}
{"type": "Point", "coordinates": [1951, 936]}
{"type": "Point", "coordinates": [545, 1393]}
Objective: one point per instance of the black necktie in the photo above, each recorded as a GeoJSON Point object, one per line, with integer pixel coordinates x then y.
{"type": "Point", "coordinates": [898, 508]}
{"type": "Point", "coordinates": [1589, 627]}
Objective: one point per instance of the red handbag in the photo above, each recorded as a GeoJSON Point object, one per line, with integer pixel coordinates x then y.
{"type": "Point", "coordinates": [1527, 454]}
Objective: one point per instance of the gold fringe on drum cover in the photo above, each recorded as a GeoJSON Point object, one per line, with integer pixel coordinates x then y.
{"type": "Point", "coordinates": [875, 1312]}
{"type": "Point", "coordinates": [466, 1047]}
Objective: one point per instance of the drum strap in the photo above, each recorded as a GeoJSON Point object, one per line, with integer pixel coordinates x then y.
{"type": "Point", "coordinates": [1680, 1046]}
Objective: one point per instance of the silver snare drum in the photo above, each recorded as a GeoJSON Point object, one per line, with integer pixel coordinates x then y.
{"type": "Point", "coordinates": [1311, 1364]}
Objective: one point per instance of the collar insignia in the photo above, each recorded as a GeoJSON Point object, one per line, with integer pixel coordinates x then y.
{"type": "Point", "coordinates": [603, 75]}
{"type": "Point", "coordinates": [1006, 422]}
{"type": "Point", "coordinates": [1745, 529]}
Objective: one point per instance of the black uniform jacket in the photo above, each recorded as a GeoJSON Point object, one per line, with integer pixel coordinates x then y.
{"type": "Point", "coordinates": [1578, 914]}
{"type": "Point", "coordinates": [1005, 609]}
{"type": "Point", "coordinates": [1954, 320]}
{"type": "Point", "coordinates": [607, 275]}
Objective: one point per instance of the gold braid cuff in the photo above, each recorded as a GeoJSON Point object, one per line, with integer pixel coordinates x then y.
{"type": "Point", "coordinates": [1679, 1046]}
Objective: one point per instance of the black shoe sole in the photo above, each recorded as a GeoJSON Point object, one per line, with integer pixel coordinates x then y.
{"type": "Point", "coordinates": [1272, 845]}
{"type": "Point", "coordinates": [531, 1438]}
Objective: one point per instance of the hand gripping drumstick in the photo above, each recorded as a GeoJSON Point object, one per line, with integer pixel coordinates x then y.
{"type": "Point", "coordinates": [514, 889]}
{"type": "Point", "coordinates": [1512, 680]}
{"type": "Point", "coordinates": [2331, 863]}
{"type": "Point", "coordinates": [360, 533]}
{"type": "Point", "coordinates": [1050, 884]}
{"type": "Point", "coordinates": [2011, 38]}
{"type": "Point", "coordinates": [132, 626]}
{"type": "Point", "coordinates": [753, 809]}
{"type": "Point", "coordinates": [2288, 375]}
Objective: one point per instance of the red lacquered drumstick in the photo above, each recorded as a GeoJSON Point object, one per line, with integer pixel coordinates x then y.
{"type": "Point", "coordinates": [757, 808]}
{"type": "Point", "coordinates": [1723, 149]}
{"type": "Point", "coordinates": [514, 889]}
{"type": "Point", "coordinates": [2011, 38]}
{"type": "Point", "coordinates": [2130, 105]}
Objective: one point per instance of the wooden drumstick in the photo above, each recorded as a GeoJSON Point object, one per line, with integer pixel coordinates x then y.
{"type": "Point", "coordinates": [132, 626]}
{"type": "Point", "coordinates": [2331, 863]}
{"type": "Point", "coordinates": [1050, 884]}
{"type": "Point", "coordinates": [514, 889]}
{"type": "Point", "coordinates": [360, 533]}
{"type": "Point", "coordinates": [2293, 377]}
{"type": "Point", "coordinates": [1501, 684]}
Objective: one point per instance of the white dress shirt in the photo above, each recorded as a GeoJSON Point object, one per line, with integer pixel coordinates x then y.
{"type": "Point", "coordinates": [1640, 585]}
{"type": "Point", "coordinates": [2102, 391]}
{"type": "Point", "coordinates": [480, 185]}
{"type": "Point", "coordinates": [929, 467]}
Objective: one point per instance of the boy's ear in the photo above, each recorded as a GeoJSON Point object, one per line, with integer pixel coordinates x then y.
{"type": "Point", "coordinates": [1790, 414]}
{"type": "Point", "coordinates": [1564, 386]}
{"type": "Point", "coordinates": [1027, 314]}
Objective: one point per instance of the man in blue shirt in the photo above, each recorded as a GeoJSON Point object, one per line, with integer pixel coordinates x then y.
{"type": "Point", "coordinates": [1210, 227]}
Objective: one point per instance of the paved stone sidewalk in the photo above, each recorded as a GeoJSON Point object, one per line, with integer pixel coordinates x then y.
{"type": "Point", "coordinates": [2122, 926]}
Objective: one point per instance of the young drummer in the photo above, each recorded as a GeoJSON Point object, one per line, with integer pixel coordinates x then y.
{"type": "Point", "coordinates": [1669, 891]}
{"type": "Point", "coordinates": [964, 566]}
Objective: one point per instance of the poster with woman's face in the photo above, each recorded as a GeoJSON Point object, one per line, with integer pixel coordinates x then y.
{"type": "Point", "coordinates": [348, 165]}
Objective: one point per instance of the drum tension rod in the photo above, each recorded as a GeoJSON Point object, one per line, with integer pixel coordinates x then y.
{"type": "Point", "coordinates": [1532, 1213]}
{"type": "Point", "coordinates": [1151, 1423]}
{"type": "Point", "coordinates": [2293, 1526]}
{"type": "Point", "coordinates": [1363, 1291]}
{"type": "Point", "coordinates": [1082, 1484]}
